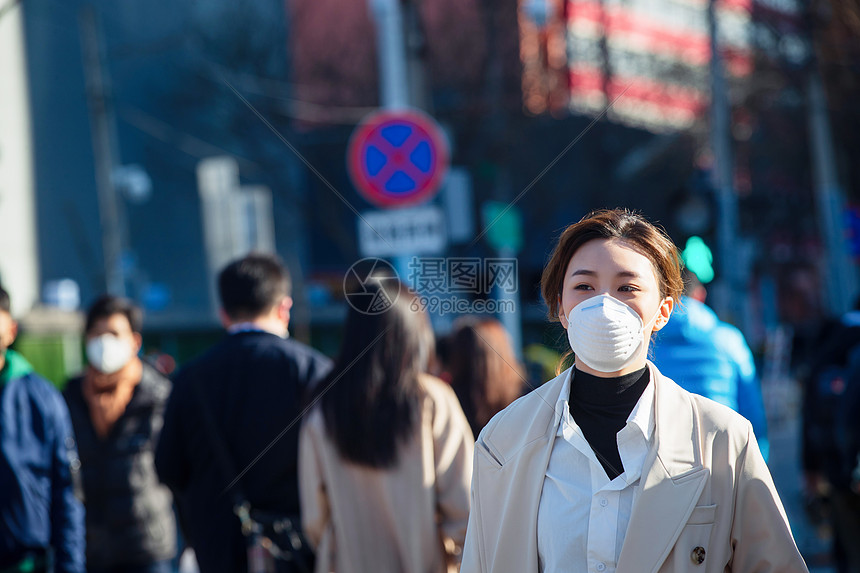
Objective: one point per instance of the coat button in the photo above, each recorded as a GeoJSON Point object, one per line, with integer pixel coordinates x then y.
{"type": "Point", "coordinates": [698, 555]}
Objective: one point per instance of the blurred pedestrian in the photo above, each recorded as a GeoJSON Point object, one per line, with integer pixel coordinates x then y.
{"type": "Point", "coordinates": [709, 357]}
{"type": "Point", "coordinates": [831, 437]}
{"type": "Point", "coordinates": [117, 409]}
{"type": "Point", "coordinates": [386, 455]}
{"type": "Point", "coordinates": [229, 446]}
{"type": "Point", "coordinates": [846, 486]}
{"type": "Point", "coordinates": [611, 466]}
{"type": "Point", "coordinates": [483, 369]}
{"type": "Point", "coordinates": [41, 519]}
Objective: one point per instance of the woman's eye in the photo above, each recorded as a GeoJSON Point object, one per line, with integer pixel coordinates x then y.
{"type": "Point", "coordinates": [628, 288]}
{"type": "Point", "coordinates": [582, 287]}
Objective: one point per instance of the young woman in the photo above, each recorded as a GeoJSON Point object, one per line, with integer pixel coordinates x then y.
{"type": "Point", "coordinates": [611, 467]}
{"type": "Point", "coordinates": [385, 459]}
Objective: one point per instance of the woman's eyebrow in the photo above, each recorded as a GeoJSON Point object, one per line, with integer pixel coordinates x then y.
{"type": "Point", "coordinates": [587, 272]}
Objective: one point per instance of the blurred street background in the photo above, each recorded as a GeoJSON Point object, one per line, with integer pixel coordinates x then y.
{"type": "Point", "coordinates": [143, 146]}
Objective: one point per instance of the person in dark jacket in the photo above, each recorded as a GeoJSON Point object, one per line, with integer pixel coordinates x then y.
{"type": "Point", "coordinates": [117, 408]}
{"type": "Point", "coordinates": [41, 519]}
{"type": "Point", "coordinates": [253, 384]}
{"type": "Point", "coordinates": [830, 438]}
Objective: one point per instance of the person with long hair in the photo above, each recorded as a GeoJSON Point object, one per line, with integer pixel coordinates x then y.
{"type": "Point", "coordinates": [483, 369]}
{"type": "Point", "coordinates": [385, 456]}
{"type": "Point", "coordinates": [612, 467]}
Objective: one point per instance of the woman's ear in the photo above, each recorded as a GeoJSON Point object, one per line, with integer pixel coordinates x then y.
{"type": "Point", "coordinates": [561, 316]}
{"type": "Point", "coordinates": [664, 312]}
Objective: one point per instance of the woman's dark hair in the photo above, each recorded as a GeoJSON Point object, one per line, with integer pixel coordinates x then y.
{"type": "Point", "coordinates": [107, 306]}
{"type": "Point", "coordinates": [251, 286]}
{"type": "Point", "coordinates": [372, 404]}
{"type": "Point", "coordinates": [484, 370]}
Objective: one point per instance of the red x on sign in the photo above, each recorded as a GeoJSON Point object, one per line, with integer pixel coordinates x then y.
{"type": "Point", "coordinates": [397, 158]}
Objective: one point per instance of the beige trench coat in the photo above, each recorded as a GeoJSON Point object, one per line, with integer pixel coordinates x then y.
{"type": "Point", "coordinates": [407, 519]}
{"type": "Point", "coordinates": [705, 491]}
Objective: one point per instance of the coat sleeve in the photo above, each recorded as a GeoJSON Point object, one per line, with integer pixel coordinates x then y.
{"type": "Point", "coordinates": [453, 447]}
{"type": "Point", "coordinates": [171, 461]}
{"type": "Point", "coordinates": [750, 401]}
{"type": "Point", "coordinates": [471, 549]}
{"type": "Point", "coordinates": [761, 537]}
{"type": "Point", "coordinates": [312, 488]}
{"type": "Point", "coordinates": [67, 511]}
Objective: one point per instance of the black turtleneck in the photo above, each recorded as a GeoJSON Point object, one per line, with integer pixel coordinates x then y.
{"type": "Point", "coordinates": [601, 406]}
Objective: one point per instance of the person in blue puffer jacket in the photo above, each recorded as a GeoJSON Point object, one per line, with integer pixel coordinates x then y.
{"type": "Point", "coordinates": [41, 518]}
{"type": "Point", "coordinates": [709, 357]}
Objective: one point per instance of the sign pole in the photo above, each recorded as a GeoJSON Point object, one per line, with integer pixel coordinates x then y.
{"type": "Point", "coordinates": [841, 278]}
{"type": "Point", "coordinates": [393, 78]}
{"type": "Point", "coordinates": [732, 295]}
{"type": "Point", "coordinates": [104, 151]}
{"type": "Point", "coordinates": [391, 52]}
{"type": "Point", "coordinates": [512, 321]}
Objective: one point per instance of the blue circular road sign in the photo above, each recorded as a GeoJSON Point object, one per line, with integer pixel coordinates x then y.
{"type": "Point", "coordinates": [397, 158]}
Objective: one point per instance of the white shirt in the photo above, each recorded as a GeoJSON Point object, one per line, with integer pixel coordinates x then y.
{"type": "Point", "coordinates": [253, 327]}
{"type": "Point", "coordinates": [583, 516]}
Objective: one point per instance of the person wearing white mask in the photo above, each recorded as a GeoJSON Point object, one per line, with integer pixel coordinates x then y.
{"type": "Point", "coordinates": [611, 467]}
{"type": "Point", "coordinates": [117, 409]}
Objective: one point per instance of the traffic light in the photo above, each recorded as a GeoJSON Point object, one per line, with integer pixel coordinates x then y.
{"type": "Point", "coordinates": [698, 258]}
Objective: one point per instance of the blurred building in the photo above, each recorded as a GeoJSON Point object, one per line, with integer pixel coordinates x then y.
{"type": "Point", "coordinates": [154, 76]}
{"type": "Point", "coordinates": [656, 52]}
{"type": "Point", "coordinates": [579, 56]}
{"type": "Point", "coordinates": [19, 260]}
{"type": "Point", "coordinates": [270, 90]}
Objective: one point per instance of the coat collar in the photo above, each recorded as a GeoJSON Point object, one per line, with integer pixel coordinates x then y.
{"type": "Point", "coordinates": [536, 416]}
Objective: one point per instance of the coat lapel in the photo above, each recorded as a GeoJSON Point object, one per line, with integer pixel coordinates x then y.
{"type": "Point", "coordinates": [510, 492]}
{"type": "Point", "coordinates": [673, 479]}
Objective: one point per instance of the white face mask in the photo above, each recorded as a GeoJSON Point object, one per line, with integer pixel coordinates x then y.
{"type": "Point", "coordinates": [605, 334]}
{"type": "Point", "coordinates": [108, 354]}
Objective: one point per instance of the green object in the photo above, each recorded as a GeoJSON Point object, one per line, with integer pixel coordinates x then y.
{"type": "Point", "coordinates": [698, 258]}
{"type": "Point", "coordinates": [30, 564]}
{"type": "Point", "coordinates": [15, 367]}
{"type": "Point", "coordinates": [503, 225]}
{"type": "Point", "coordinates": [54, 356]}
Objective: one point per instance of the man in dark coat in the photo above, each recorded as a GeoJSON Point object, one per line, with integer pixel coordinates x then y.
{"type": "Point", "coordinates": [41, 518]}
{"type": "Point", "coordinates": [252, 385]}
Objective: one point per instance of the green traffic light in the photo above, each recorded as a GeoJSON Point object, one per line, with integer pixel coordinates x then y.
{"type": "Point", "coordinates": [698, 258]}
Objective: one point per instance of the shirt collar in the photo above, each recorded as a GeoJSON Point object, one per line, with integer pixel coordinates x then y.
{"type": "Point", "coordinates": [642, 416]}
{"type": "Point", "coordinates": [562, 412]}
{"type": "Point", "coordinates": [251, 327]}
{"type": "Point", "coordinates": [16, 366]}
